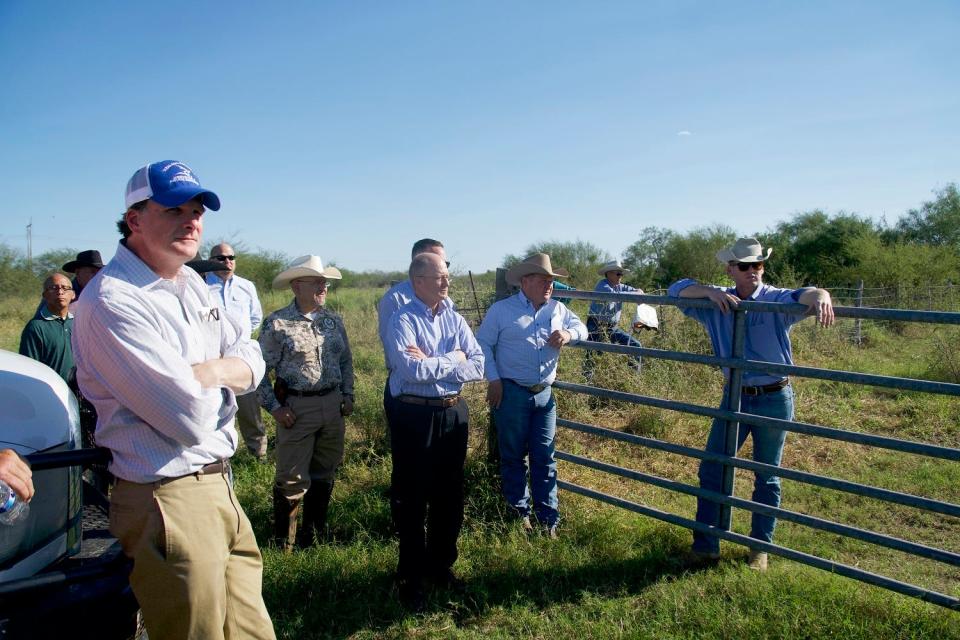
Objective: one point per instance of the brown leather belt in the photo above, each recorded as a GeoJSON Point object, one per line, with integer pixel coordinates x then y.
{"type": "Point", "coordinates": [424, 401]}
{"type": "Point", "coordinates": [767, 388]}
{"type": "Point", "coordinates": [310, 394]}
{"type": "Point", "coordinates": [535, 388]}
{"type": "Point", "coordinates": [212, 469]}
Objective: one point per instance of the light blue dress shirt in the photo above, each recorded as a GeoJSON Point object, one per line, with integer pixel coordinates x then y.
{"type": "Point", "coordinates": [440, 374]}
{"type": "Point", "coordinates": [239, 298]}
{"type": "Point", "coordinates": [608, 311]}
{"type": "Point", "coordinates": [396, 297]}
{"type": "Point", "coordinates": [768, 334]}
{"type": "Point", "coordinates": [514, 337]}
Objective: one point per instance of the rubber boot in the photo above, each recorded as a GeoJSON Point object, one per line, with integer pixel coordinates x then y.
{"type": "Point", "coordinates": [315, 505]}
{"type": "Point", "coordinates": [285, 512]}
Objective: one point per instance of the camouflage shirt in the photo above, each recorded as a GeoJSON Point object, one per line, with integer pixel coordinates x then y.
{"type": "Point", "coordinates": [309, 355]}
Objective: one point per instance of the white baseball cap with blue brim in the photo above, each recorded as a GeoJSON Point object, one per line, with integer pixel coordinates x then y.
{"type": "Point", "coordinates": [170, 183]}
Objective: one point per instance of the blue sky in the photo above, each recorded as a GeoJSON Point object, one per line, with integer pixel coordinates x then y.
{"type": "Point", "coordinates": [351, 129]}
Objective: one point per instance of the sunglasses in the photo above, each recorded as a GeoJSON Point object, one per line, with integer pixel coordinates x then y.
{"type": "Point", "coordinates": [224, 258]}
{"type": "Point", "coordinates": [618, 273]}
{"type": "Point", "coordinates": [746, 266]}
{"type": "Point", "coordinates": [60, 287]}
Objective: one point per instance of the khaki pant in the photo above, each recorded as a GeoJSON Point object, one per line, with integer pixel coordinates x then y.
{"type": "Point", "coordinates": [250, 424]}
{"type": "Point", "coordinates": [197, 571]}
{"type": "Point", "coordinates": [312, 449]}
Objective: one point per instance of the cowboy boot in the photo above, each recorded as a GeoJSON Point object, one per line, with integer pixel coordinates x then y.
{"type": "Point", "coordinates": [285, 512]}
{"type": "Point", "coordinates": [315, 505]}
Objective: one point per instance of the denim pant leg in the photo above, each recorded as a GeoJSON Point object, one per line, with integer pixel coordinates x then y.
{"type": "Point", "coordinates": [543, 465]}
{"type": "Point", "coordinates": [513, 434]}
{"type": "Point", "coordinates": [619, 336]}
{"type": "Point", "coordinates": [768, 448]}
{"type": "Point", "coordinates": [711, 478]}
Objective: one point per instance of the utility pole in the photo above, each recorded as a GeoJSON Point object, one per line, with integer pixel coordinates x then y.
{"type": "Point", "coordinates": [30, 244]}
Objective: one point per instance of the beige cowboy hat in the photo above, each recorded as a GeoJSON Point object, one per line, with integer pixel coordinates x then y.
{"type": "Point", "coordinates": [305, 267]}
{"type": "Point", "coordinates": [538, 263]}
{"type": "Point", "coordinates": [743, 250]}
{"type": "Point", "coordinates": [613, 265]}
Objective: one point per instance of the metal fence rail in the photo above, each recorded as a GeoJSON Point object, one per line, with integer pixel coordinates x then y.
{"type": "Point", "coordinates": [729, 412]}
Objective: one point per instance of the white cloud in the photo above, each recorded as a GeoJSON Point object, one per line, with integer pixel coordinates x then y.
{"type": "Point", "coordinates": [684, 133]}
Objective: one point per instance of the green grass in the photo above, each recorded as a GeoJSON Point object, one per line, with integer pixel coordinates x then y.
{"type": "Point", "coordinates": [613, 574]}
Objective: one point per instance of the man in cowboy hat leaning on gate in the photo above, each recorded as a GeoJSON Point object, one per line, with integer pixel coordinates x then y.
{"type": "Point", "coordinates": [603, 318]}
{"type": "Point", "coordinates": [306, 345]}
{"type": "Point", "coordinates": [764, 394]}
{"type": "Point", "coordinates": [521, 337]}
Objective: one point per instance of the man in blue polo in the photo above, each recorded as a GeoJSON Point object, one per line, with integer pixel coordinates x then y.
{"type": "Point", "coordinates": [521, 337]}
{"type": "Point", "coordinates": [764, 394]}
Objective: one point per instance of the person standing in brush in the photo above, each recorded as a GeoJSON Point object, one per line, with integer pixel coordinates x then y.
{"type": "Point", "coordinates": [762, 393]}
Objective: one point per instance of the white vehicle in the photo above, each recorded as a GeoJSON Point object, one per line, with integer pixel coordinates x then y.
{"type": "Point", "coordinates": [61, 573]}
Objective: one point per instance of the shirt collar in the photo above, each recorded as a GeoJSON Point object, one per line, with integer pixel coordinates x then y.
{"type": "Point", "coordinates": [44, 313]}
{"type": "Point", "coordinates": [426, 311]}
{"type": "Point", "coordinates": [524, 300]}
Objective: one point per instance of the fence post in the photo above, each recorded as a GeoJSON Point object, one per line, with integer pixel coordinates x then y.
{"type": "Point", "coordinates": [731, 402]}
{"type": "Point", "coordinates": [858, 337]}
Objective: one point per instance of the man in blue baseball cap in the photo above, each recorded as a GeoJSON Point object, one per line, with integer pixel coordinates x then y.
{"type": "Point", "coordinates": [163, 364]}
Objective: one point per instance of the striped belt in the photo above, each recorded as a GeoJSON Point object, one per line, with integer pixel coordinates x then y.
{"type": "Point", "coordinates": [536, 388]}
{"type": "Point", "coordinates": [773, 387]}
{"type": "Point", "coordinates": [425, 401]}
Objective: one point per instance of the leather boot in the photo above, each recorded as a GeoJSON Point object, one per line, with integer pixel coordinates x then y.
{"type": "Point", "coordinates": [285, 512]}
{"type": "Point", "coordinates": [315, 505]}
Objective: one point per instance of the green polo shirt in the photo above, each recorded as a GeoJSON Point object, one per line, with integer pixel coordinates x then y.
{"type": "Point", "coordinates": [46, 339]}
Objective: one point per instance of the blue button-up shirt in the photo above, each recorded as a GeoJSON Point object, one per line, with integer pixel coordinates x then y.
{"type": "Point", "coordinates": [439, 374]}
{"type": "Point", "coordinates": [608, 311]}
{"type": "Point", "coordinates": [514, 337]}
{"type": "Point", "coordinates": [238, 296]}
{"type": "Point", "coordinates": [768, 334]}
{"type": "Point", "coordinates": [396, 297]}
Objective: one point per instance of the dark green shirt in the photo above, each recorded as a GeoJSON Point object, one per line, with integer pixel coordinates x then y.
{"type": "Point", "coordinates": [46, 339]}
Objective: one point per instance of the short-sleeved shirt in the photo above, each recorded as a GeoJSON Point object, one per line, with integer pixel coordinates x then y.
{"type": "Point", "coordinates": [46, 339]}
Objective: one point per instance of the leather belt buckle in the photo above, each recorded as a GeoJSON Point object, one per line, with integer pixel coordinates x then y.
{"type": "Point", "coordinates": [537, 388]}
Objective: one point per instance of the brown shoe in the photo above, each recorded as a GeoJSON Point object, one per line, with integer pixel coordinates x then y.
{"type": "Point", "coordinates": [757, 560]}
{"type": "Point", "coordinates": [694, 558]}
{"type": "Point", "coordinates": [526, 524]}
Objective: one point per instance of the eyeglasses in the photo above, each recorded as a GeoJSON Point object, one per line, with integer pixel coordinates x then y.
{"type": "Point", "coordinates": [58, 287]}
{"type": "Point", "coordinates": [224, 258]}
{"type": "Point", "coordinates": [319, 284]}
{"type": "Point", "coordinates": [745, 266]}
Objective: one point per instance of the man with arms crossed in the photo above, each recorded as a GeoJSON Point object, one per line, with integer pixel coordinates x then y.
{"type": "Point", "coordinates": [432, 352]}
{"type": "Point", "coordinates": [162, 363]}
{"type": "Point", "coordinates": [521, 337]}
{"type": "Point", "coordinates": [763, 394]}
{"type": "Point", "coordinates": [238, 296]}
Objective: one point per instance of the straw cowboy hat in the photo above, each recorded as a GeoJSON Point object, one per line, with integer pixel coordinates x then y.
{"type": "Point", "coordinates": [538, 263]}
{"type": "Point", "coordinates": [613, 265]}
{"type": "Point", "coordinates": [89, 258]}
{"type": "Point", "coordinates": [305, 267]}
{"type": "Point", "coordinates": [743, 250]}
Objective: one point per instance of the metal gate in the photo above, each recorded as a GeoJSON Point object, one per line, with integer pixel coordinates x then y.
{"type": "Point", "coordinates": [731, 413]}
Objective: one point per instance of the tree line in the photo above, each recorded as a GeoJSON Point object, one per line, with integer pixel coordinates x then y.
{"type": "Point", "coordinates": [812, 248]}
{"type": "Point", "coordinates": [922, 248]}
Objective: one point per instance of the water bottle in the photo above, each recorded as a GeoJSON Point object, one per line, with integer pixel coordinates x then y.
{"type": "Point", "coordinates": [12, 508]}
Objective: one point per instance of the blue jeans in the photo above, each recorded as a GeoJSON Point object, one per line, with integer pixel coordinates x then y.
{"type": "Point", "coordinates": [767, 448]}
{"type": "Point", "coordinates": [527, 427]}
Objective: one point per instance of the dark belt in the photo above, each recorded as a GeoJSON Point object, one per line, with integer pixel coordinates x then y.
{"type": "Point", "coordinates": [536, 388]}
{"type": "Point", "coordinates": [212, 469]}
{"type": "Point", "coordinates": [767, 388]}
{"type": "Point", "coordinates": [310, 394]}
{"type": "Point", "coordinates": [424, 401]}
